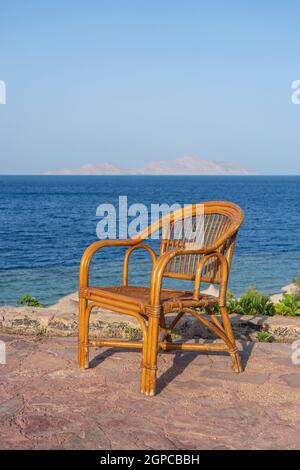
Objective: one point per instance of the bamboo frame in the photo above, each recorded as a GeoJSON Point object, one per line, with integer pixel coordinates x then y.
{"type": "Point", "coordinates": [211, 263]}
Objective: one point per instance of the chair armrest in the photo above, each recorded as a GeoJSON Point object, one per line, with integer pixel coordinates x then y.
{"type": "Point", "coordinates": [126, 259]}
{"type": "Point", "coordinates": [91, 250]}
{"type": "Point", "coordinates": [224, 271]}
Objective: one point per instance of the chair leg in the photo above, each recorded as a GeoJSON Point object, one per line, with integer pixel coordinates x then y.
{"type": "Point", "coordinates": [234, 353]}
{"type": "Point", "coordinates": [148, 385]}
{"type": "Point", "coordinates": [144, 367]}
{"type": "Point", "coordinates": [83, 325]}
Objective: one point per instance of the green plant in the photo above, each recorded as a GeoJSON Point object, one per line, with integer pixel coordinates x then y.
{"type": "Point", "coordinates": [251, 302]}
{"type": "Point", "coordinates": [232, 303]}
{"type": "Point", "coordinates": [29, 301]}
{"type": "Point", "coordinates": [132, 333]}
{"type": "Point", "coordinates": [296, 294]}
{"type": "Point", "coordinates": [288, 306]}
{"type": "Point", "coordinates": [175, 336]}
{"type": "Point", "coordinates": [264, 337]}
{"type": "Point", "coordinates": [296, 280]}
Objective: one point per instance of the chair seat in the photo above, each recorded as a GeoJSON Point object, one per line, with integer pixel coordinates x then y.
{"type": "Point", "coordinates": [137, 298]}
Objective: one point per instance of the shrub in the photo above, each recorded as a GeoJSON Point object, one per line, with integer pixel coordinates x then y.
{"type": "Point", "coordinates": [264, 337]}
{"type": "Point", "coordinates": [296, 281]}
{"type": "Point", "coordinates": [251, 302]}
{"type": "Point", "coordinates": [232, 303]}
{"type": "Point", "coordinates": [288, 305]}
{"type": "Point", "coordinates": [296, 294]}
{"type": "Point", "coordinates": [29, 301]}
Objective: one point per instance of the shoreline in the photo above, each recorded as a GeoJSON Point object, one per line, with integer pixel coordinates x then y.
{"type": "Point", "coordinates": [60, 319]}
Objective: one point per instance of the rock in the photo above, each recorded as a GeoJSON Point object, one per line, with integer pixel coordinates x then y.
{"type": "Point", "coordinates": [289, 289]}
{"type": "Point", "coordinates": [62, 325]}
{"type": "Point", "coordinates": [275, 298]}
{"type": "Point", "coordinates": [67, 304]}
{"type": "Point", "coordinates": [283, 329]}
{"type": "Point", "coordinates": [61, 320]}
{"type": "Point", "coordinates": [25, 320]}
{"type": "Point", "coordinates": [211, 290]}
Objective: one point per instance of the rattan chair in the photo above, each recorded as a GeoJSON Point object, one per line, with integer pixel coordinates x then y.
{"type": "Point", "coordinates": [208, 261]}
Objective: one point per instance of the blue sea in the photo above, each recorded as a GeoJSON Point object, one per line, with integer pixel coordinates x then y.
{"type": "Point", "coordinates": [47, 221]}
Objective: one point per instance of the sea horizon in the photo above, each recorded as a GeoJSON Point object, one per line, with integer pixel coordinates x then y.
{"type": "Point", "coordinates": [155, 175]}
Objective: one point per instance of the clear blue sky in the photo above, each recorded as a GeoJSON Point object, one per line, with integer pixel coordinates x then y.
{"type": "Point", "coordinates": [128, 82]}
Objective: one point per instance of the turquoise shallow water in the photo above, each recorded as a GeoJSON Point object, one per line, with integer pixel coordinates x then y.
{"type": "Point", "coordinates": [46, 222]}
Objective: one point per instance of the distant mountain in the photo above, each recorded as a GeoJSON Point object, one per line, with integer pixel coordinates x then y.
{"type": "Point", "coordinates": [180, 166]}
{"type": "Point", "coordinates": [191, 166]}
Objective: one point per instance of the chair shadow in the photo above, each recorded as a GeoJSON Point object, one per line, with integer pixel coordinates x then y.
{"type": "Point", "coordinates": [182, 359]}
{"type": "Point", "coordinates": [245, 352]}
{"type": "Point", "coordinates": [97, 360]}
